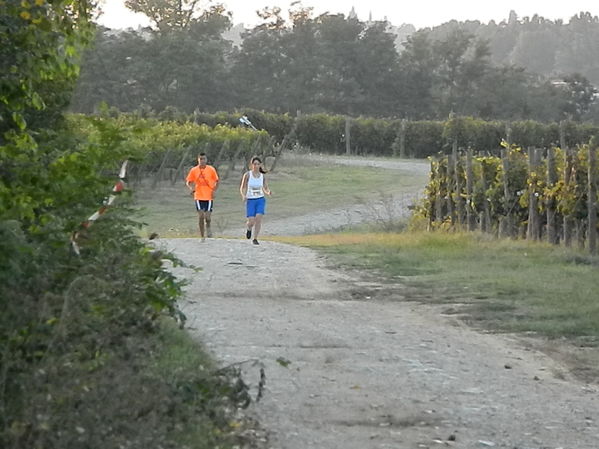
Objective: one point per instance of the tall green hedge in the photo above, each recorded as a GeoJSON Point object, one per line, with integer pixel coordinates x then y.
{"type": "Point", "coordinates": [326, 133]}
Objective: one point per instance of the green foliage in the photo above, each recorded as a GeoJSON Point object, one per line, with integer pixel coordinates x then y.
{"type": "Point", "coordinates": [182, 64]}
{"type": "Point", "coordinates": [65, 315]}
{"type": "Point", "coordinates": [373, 136]}
{"type": "Point", "coordinates": [529, 133]}
{"type": "Point", "coordinates": [474, 133]}
{"type": "Point", "coordinates": [277, 125]}
{"type": "Point", "coordinates": [39, 46]}
{"type": "Point", "coordinates": [38, 54]}
{"type": "Point", "coordinates": [339, 65]}
{"type": "Point", "coordinates": [325, 133]}
{"type": "Point", "coordinates": [169, 15]}
{"type": "Point", "coordinates": [321, 132]}
{"type": "Point", "coordinates": [508, 193]}
{"type": "Point", "coordinates": [424, 138]}
{"type": "Point", "coordinates": [486, 176]}
{"type": "Point", "coordinates": [156, 144]}
{"type": "Point", "coordinates": [79, 331]}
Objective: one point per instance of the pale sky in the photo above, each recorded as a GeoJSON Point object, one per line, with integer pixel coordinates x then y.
{"type": "Point", "coordinates": [420, 13]}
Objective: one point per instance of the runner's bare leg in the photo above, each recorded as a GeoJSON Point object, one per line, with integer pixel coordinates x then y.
{"type": "Point", "coordinates": [207, 216]}
{"type": "Point", "coordinates": [257, 226]}
{"type": "Point", "coordinates": [201, 216]}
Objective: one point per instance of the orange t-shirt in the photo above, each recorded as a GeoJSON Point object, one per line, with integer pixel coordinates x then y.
{"type": "Point", "coordinates": [205, 180]}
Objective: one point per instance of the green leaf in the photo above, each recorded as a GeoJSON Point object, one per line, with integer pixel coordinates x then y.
{"type": "Point", "coordinates": [19, 120]}
{"type": "Point", "coordinates": [283, 362]}
{"type": "Point", "coordinates": [37, 101]}
{"type": "Point", "coordinates": [70, 50]}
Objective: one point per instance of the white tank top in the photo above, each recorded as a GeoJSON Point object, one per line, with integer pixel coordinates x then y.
{"type": "Point", "coordinates": [255, 186]}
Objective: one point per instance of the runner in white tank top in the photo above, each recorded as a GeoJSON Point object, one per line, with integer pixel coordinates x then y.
{"type": "Point", "coordinates": [255, 186]}
{"type": "Point", "coordinates": [252, 189]}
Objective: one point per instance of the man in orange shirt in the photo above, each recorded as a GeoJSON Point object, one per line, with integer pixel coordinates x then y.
{"type": "Point", "coordinates": [204, 179]}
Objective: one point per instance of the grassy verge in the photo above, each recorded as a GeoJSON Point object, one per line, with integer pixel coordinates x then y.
{"type": "Point", "coordinates": [504, 285]}
{"type": "Point", "coordinates": [299, 186]}
{"type": "Point", "coordinates": [207, 400]}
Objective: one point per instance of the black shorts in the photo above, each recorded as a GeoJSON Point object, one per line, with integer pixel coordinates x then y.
{"type": "Point", "coordinates": [206, 206]}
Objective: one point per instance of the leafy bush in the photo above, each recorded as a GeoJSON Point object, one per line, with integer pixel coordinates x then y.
{"type": "Point", "coordinates": [500, 193]}
{"type": "Point", "coordinates": [79, 332]}
{"type": "Point", "coordinates": [424, 138]}
{"type": "Point", "coordinates": [326, 133]}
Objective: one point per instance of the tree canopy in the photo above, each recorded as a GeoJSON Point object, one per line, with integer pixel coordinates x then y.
{"type": "Point", "coordinates": [517, 69]}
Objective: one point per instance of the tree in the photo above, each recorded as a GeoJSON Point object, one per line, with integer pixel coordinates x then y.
{"type": "Point", "coordinates": [535, 50]}
{"type": "Point", "coordinates": [338, 89]}
{"type": "Point", "coordinates": [416, 77]}
{"type": "Point", "coordinates": [300, 64]}
{"type": "Point", "coordinates": [377, 70]}
{"type": "Point", "coordinates": [272, 19]}
{"type": "Point", "coordinates": [39, 45]}
{"type": "Point", "coordinates": [181, 67]}
{"type": "Point", "coordinates": [579, 95]}
{"type": "Point", "coordinates": [579, 47]}
{"type": "Point", "coordinates": [166, 14]}
{"type": "Point", "coordinates": [504, 94]}
{"type": "Point", "coordinates": [462, 63]}
{"type": "Point", "coordinates": [258, 69]}
{"type": "Point", "coordinates": [39, 51]}
{"type": "Point", "coordinates": [39, 48]}
{"type": "Point", "coordinates": [114, 71]}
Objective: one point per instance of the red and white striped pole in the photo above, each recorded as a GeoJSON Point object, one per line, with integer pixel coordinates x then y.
{"type": "Point", "coordinates": [118, 188]}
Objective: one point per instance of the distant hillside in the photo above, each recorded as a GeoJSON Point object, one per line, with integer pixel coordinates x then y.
{"type": "Point", "coordinates": [549, 48]}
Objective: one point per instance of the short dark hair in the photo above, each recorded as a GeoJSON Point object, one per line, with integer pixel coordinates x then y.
{"type": "Point", "coordinates": [201, 154]}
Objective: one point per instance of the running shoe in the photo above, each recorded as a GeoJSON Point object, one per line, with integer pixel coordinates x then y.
{"type": "Point", "coordinates": [248, 234]}
{"type": "Point", "coordinates": [255, 242]}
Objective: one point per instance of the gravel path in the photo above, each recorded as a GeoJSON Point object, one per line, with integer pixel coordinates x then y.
{"type": "Point", "coordinates": [350, 364]}
{"type": "Point", "coordinates": [368, 370]}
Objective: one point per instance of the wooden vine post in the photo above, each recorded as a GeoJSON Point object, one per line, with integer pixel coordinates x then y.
{"type": "Point", "coordinates": [158, 175]}
{"type": "Point", "coordinates": [224, 149]}
{"type": "Point", "coordinates": [532, 230]}
{"type": "Point", "coordinates": [178, 172]}
{"type": "Point", "coordinates": [459, 200]}
{"type": "Point", "coordinates": [287, 139]}
{"type": "Point", "coordinates": [233, 160]}
{"type": "Point", "coordinates": [470, 218]}
{"type": "Point", "coordinates": [402, 138]}
{"type": "Point", "coordinates": [508, 135]}
{"type": "Point", "coordinates": [347, 136]}
{"type": "Point", "coordinates": [509, 228]}
{"type": "Point", "coordinates": [431, 202]}
{"type": "Point", "coordinates": [592, 198]}
{"type": "Point", "coordinates": [550, 201]}
{"type": "Point", "coordinates": [438, 195]}
{"type": "Point", "coordinates": [485, 219]}
{"type": "Point", "coordinates": [568, 221]}
{"type": "Point", "coordinates": [451, 191]}
{"type": "Point", "coordinates": [506, 228]}
{"type": "Point", "coordinates": [435, 213]}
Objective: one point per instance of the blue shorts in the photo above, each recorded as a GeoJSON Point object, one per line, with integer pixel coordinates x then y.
{"type": "Point", "coordinates": [206, 206]}
{"type": "Point", "coordinates": [255, 206]}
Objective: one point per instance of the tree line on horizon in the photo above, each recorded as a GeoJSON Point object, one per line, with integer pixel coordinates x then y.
{"type": "Point", "coordinates": [518, 69]}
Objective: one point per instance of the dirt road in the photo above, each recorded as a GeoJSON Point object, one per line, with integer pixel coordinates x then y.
{"type": "Point", "coordinates": [350, 364]}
